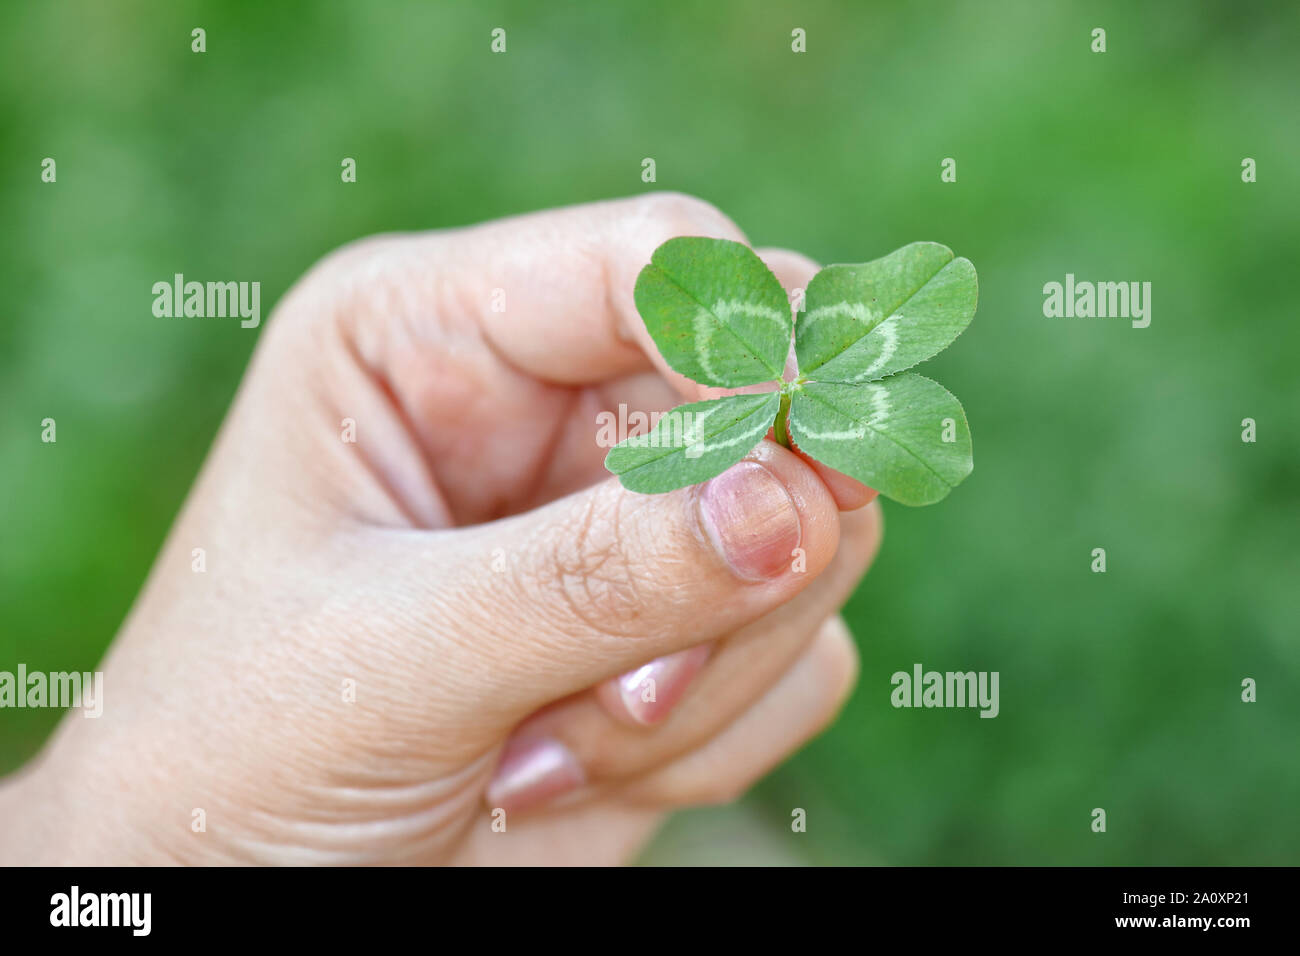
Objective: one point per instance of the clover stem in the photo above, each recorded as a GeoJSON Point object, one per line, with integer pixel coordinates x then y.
{"type": "Point", "coordinates": [782, 432]}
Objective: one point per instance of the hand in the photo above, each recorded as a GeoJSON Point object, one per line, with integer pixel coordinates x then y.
{"type": "Point", "coordinates": [459, 612]}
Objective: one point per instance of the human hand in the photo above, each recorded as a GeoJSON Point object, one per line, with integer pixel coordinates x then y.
{"type": "Point", "coordinates": [454, 614]}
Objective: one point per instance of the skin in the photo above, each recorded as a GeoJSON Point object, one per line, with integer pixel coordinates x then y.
{"type": "Point", "coordinates": [469, 564]}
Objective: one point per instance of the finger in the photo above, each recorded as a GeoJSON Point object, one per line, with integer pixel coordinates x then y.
{"type": "Point", "coordinates": [797, 708]}
{"type": "Point", "coordinates": [793, 269]}
{"type": "Point", "coordinates": [647, 694]}
{"type": "Point", "coordinates": [849, 493]}
{"type": "Point", "coordinates": [550, 602]}
{"type": "Point", "coordinates": [689, 695]}
{"type": "Point", "coordinates": [601, 417]}
{"type": "Point", "coordinates": [551, 292]}
{"type": "Point", "coordinates": [601, 834]}
{"type": "Point", "coordinates": [690, 699]}
{"type": "Point", "coordinates": [597, 738]}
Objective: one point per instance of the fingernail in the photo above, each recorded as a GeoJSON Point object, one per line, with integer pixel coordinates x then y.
{"type": "Point", "coordinates": [751, 519]}
{"type": "Point", "coordinates": [651, 691]}
{"type": "Point", "coordinates": [532, 772]}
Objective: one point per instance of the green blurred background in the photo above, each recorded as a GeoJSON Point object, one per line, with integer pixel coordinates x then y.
{"type": "Point", "coordinates": [1118, 690]}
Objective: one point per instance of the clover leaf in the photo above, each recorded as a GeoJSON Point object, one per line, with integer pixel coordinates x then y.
{"type": "Point", "coordinates": [721, 318]}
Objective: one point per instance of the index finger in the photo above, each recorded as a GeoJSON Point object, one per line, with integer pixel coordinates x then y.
{"type": "Point", "coordinates": [551, 292]}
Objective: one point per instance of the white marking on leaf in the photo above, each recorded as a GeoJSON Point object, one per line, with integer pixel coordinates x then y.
{"type": "Point", "coordinates": [692, 435]}
{"type": "Point", "coordinates": [698, 444]}
{"type": "Point", "coordinates": [888, 330]}
{"type": "Point", "coordinates": [880, 412]}
{"type": "Point", "coordinates": [858, 311]}
{"type": "Point", "coordinates": [726, 308]}
{"type": "Point", "coordinates": [880, 407]}
{"type": "Point", "coordinates": [707, 323]}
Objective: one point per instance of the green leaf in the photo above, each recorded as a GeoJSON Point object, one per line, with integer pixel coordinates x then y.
{"type": "Point", "coordinates": [863, 322]}
{"type": "Point", "coordinates": [716, 312]}
{"type": "Point", "coordinates": [693, 442]}
{"type": "Point", "coordinates": [720, 317]}
{"type": "Point", "coordinates": [887, 434]}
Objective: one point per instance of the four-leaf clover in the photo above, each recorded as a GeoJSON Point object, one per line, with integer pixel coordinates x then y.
{"type": "Point", "coordinates": [721, 318]}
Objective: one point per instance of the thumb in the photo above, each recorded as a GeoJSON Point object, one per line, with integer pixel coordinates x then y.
{"type": "Point", "coordinates": [550, 602]}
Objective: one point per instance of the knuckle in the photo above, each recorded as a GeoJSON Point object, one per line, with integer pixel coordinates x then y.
{"type": "Point", "coordinates": [355, 257]}
{"type": "Point", "coordinates": [343, 284]}
{"type": "Point", "coordinates": [359, 254]}
{"type": "Point", "coordinates": [677, 213]}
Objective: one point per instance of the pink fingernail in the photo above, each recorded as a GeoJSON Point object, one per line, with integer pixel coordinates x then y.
{"type": "Point", "coordinates": [651, 691]}
{"type": "Point", "coordinates": [532, 772]}
{"type": "Point", "coordinates": [751, 519]}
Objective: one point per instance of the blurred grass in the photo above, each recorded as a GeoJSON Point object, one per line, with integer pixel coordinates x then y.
{"type": "Point", "coordinates": [1118, 690]}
